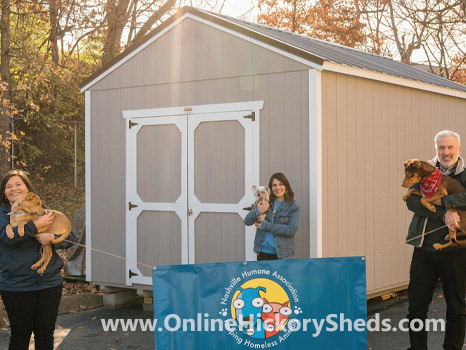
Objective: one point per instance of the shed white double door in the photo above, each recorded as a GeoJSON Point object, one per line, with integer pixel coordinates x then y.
{"type": "Point", "coordinates": [188, 179]}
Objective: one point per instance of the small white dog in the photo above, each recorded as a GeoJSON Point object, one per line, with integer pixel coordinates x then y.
{"type": "Point", "coordinates": [262, 193]}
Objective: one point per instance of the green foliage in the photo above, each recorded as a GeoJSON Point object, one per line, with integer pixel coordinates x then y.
{"type": "Point", "coordinates": [46, 95]}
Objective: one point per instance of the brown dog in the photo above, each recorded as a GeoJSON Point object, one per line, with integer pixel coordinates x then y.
{"type": "Point", "coordinates": [419, 170]}
{"type": "Point", "coordinates": [29, 207]}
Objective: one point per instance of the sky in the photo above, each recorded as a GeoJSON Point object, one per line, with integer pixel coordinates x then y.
{"type": "Point", "coordinates": [237, 8]}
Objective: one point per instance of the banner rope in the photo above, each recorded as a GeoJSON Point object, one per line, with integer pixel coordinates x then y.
{"type": "Point", "coordinates": [425, 234]}
{"type": "Point", "coordinates": [104, 252]}
{"type": "Point", "coordinates": [140, 263]}
{"type": "Point", "coordinates": [408, 240]}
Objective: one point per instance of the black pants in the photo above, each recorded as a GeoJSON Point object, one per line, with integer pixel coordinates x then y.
{"type": "Point", "coordinates": [266, 256]}
{"type": "Point", "coordinates": [426, 268]}
{"type": "Point", "coordinates": [32, 311]}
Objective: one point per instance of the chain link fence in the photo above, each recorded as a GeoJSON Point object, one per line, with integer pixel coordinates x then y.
{"type": "Point", "coordinates": [51, 152]}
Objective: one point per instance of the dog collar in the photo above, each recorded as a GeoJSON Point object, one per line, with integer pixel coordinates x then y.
{"type": "Point", "coordinates": [430, 183]}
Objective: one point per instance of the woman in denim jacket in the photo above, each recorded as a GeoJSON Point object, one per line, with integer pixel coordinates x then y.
{"type": "Point", "coordinates": [275, 234]}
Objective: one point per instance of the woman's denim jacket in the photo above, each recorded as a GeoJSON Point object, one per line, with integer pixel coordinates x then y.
{"type": "Point", "coordinates": [285, 224]}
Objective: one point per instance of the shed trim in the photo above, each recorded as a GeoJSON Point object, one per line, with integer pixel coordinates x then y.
{"type": "Point", "coordinates": [261, 43]}
{"type": "Point", "coordinates": [126, 58]}
{"type": "Point", "coordinates": [211, 108]}
{"type": "Point", "coordinates": [87, 141]}
{"type": "Point", "coordinates": [315, 163]}
{"type": "Point", "coordinates": [391, 79]}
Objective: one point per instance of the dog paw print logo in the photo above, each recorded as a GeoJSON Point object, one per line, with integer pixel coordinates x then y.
{"type": "Point", "coordinates": [261, 308]}
{"type": "Point", "coordinates": [223, 312]}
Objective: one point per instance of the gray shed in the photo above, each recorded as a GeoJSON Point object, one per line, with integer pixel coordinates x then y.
{"type": "Point", "coordinates": [180, 125]}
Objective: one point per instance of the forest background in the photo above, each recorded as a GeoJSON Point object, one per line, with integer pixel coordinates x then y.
{"type": "Point", "coordinates": [48, 47]}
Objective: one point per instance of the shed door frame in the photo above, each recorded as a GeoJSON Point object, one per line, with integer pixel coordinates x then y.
{"type": "Point", "coordinates": [178, 116]}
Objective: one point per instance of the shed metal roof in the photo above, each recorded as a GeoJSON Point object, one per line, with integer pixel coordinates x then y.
{"type": "Point", "coordinates": [306, 47]}
{"type": "Point", "coordinates": [346, 55]}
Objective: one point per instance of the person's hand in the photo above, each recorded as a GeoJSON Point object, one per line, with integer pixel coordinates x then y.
{"type": "Point", "coordinates": [452, 219]}
{"type": "Point", "coordinates": [44, 220]}
{"type": "Point", "coordinates": [259, 224]}
{"type": "Point", "coordinates": [45, 238]}
{"type": "Point", "coordinates": [437, 202]}
{"type": "Point", "coordinates": [263, 206]}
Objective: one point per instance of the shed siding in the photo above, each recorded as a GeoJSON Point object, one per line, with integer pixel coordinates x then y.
{"type": "Point", "coordinates": [194, 64]}
{"type": "Point", "coordinates": [369, 130]}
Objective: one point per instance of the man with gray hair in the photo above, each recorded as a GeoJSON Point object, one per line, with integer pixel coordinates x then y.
{"type": "Point", "coordinates": [428, 264]}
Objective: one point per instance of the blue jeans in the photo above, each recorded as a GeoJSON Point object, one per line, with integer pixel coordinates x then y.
{"type": "Point", "coordinates": [426, 268]}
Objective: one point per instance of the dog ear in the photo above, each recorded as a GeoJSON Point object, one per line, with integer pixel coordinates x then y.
{"type": "Point", "coordinates": [253, 187]}
{"type": "Point", "coordinates": [407, 163]}
{"type": "Point", "coordinates": [268, 190]}
{"type": "Point", "coordinates": [417, 163]}
{"type": "Point", "coordinates": [30, 195]}
{"type": "Point", "coordinates": [427, 166]}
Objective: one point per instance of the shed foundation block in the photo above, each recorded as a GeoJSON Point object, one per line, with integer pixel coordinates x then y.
{"type": "Point", "coordinates": [119, 299]}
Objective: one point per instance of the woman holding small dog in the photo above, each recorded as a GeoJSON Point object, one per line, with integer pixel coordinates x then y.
{"type": "Point", "coordinates": [275, 233]}
{"type": "Point", "coordinates": [31, 300]}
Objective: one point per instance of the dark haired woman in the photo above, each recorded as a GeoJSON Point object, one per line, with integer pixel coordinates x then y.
{"type": "Point", "coordinates": [31, 300]}
{"type": "Point", "coordinates": [275, 234]}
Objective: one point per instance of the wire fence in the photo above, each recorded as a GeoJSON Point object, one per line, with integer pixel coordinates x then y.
{"type": "Point", "coordinates": [52, 152]}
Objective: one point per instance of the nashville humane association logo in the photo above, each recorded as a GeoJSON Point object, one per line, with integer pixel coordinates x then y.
{"type": "Point", "coordinates": [263, 305]}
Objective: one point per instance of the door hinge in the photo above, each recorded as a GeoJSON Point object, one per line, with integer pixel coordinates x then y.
{"type": "Point", "coordinates": [131, 205]}
{"type": "Point", "coordinates": [132, 274]}
{"type": "Point", "coordinates": [251, 116]}
{"type": "Point", "coordinates": [131, 124]}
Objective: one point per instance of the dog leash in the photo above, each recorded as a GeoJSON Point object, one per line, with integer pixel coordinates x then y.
{"type": "Point", "coordinates": [104, 252]}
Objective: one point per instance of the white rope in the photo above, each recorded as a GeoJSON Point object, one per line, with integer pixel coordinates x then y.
{"type": "Point", "coordinates": [104, 252]}
{"type": "Point", "coordinates": [408, 240]}
{"type": "Point", "coordinates": [140, 263]}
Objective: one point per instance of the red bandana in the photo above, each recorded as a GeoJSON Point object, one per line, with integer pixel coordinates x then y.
{"type": "Point", "coordinates": [430, 183]}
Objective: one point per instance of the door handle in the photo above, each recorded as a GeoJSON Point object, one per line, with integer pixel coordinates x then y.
{"type": "Point", "coordinates": [190, 212]}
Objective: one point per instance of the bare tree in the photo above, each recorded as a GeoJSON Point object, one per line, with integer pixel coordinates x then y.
{"type": "Point", "coordinates": [435, 27]}
{"type": "Point", "coordinates": [139, 15]}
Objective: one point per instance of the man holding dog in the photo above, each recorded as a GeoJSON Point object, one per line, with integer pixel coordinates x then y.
{"type": "Point", "coordinates": [428, 264]}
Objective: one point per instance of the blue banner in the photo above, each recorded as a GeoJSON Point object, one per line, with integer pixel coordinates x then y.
{"type": "Point", "coordinates": [281, 304]}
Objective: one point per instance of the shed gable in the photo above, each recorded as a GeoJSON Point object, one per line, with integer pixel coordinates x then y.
{"type": "Point", "coordinates": [195, 51]}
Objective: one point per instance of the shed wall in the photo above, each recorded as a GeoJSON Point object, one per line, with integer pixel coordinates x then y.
{"type": "Point", "coordinates": [195, 64]}
{"type": "Point", "coordinates": [369, 130]}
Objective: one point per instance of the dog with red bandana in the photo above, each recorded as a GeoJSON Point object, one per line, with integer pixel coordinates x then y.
{"type": "Point", "coordinates": [434, 185]}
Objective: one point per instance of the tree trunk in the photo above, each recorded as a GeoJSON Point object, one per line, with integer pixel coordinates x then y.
{"type": "Point", "coordinates": [167, 6]}
{"type": "Point", "coordinates": [117, 17]}
{"type": "Point", "coordinates": [53, 38]}
{"type": "Point", "coordinates": [6, 95]}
